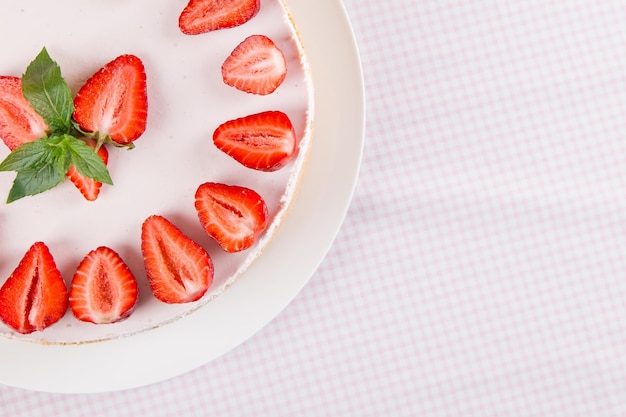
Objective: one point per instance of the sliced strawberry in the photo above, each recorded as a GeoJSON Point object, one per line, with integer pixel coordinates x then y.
{"type": "Point", "coordinates": [178, 269]}
{"type": "Point", "coordinates": [103, 289]}
{"type": "Point", "coordinates": [264, 141]}
{"type": "Point", "coordinates": [200, 16]}
{"type": "Point", "coordinates": [256, 66]}
{"type": "Point", "coordinates": [19, 122]}
{"type": "Point", "coordinates": [89, 188]}
{"type": "Point", "coordinates": [232, 215]}
{"type": "Point", "coordinates": [114, 101]}
{"type": "Point", "coordinates": [34, 296]}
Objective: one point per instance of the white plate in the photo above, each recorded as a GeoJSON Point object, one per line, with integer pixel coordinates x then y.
{"type": "Point", "coordinates": [272, 281]}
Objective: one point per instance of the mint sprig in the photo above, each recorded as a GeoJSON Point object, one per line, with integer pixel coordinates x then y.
{"type": "Point", "coordinates": [48, 93]}
{"type": "Point", "coordinates": [43, 163]}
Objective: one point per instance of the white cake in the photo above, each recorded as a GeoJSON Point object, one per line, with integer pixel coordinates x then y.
{"type": "Point", "coordinates": [187, 101]}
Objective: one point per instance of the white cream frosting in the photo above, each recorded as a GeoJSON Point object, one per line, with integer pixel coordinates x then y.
{"type": "Point", "coordinates": [187, 101]}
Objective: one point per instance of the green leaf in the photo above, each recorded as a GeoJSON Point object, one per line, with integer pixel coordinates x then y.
{"type": "Point", "coordinates": [27, 156]}
{"type": "Point", "coordinates": [58, 152]}
{"type": "Point", "coordinates": [40, 165]}
{"type": "Point", "coordinates": [87, 161]}
{"type": "Point", "coordinates": [43, 163]}
{"type": "Point", "coordinates": [48, 93]}
{"type": "Point", "coordinates": [33, 155]}
{"type": "Point", "coordinates": [35, 181]}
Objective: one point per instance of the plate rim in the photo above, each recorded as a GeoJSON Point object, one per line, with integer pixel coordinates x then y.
{"type": "Point", "coordinates": [124, 363]}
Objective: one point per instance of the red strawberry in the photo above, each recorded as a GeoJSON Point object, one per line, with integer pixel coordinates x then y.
{"type": "Point", "coordinates": [232, 215]}
{"type": "Point", "coordinates": [255, 66]}
{"type": "Point", "coordinates": [264, 141]}
{"type": "Point", "coordinates": [200, 16]}
{"type": "Point", "coordinates": [34, 296]}
{"type": "Point", "coordinates": [19, 122]}
{"type": "Point", "coordinates": [103, 289]}
{"type": "Point", "coordinates": [178, 269]}
{"type": "Point", "coordinates": [114, 101]}
{"type": "Point", "coordinates": [88, 187]}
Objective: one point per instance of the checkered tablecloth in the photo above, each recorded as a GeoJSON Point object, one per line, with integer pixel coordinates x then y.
{"type": "Point", "coordinates": [481, 268]}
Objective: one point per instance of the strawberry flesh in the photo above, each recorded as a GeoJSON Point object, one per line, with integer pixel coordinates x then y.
{"type": "Point", "coordinates": [178, 269]}
{"type": "Point", "coordinates": [34, 296]}
{"type": "Point", "coordinates": [103, 289]}
{"type": "Point", "coordinates": [88, 187]}
{"type": "Point", "coordinates": [114, 101]}
{"type": "Point", "coordinates": [19, 122]}
{"type": "Point", "coordinates": [201, 16]}
{"type": "Point", "coordinates": [256, 66]}
{"type": "Point", "coordinates": [234, 216]}
{"type": "Point", "coordinates": [263, 141]}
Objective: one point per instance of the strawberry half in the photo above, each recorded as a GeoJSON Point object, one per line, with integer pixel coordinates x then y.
{"type": "Point", "coordinates": [89, 188]}
{"type": "Point", "coordinates": [103, 289]}
{"type": "Point", "coordinates": [201, 16]}
{"type": "Point", "coordinates": [19, 122]}
{"type": "Point", "coordinates": [256, 66]}
{"type": "Point", "coordinates": [178, 269]}
{"type": "Point", "coordinates": [232, 215]}
{"type": "Point", "coordinates": [34, 296]}
{"type": "Point", "coordinates": [114, 102]}
{"type": "Point", "coordinates": [264, 141]}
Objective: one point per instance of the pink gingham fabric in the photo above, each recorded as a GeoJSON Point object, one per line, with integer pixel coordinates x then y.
{"type": "Point", "coordinates": [481, 268]}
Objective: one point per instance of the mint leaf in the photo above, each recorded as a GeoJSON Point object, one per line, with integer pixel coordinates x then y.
{"type": "Point", "coordinates": [87, 161]}
{"type": "Point", "coordinates": [58, 153]}
{"type": "Point", "coordinates": [43, 163]}
{"type": "Point", "coordinates": [40, 166]}
{"type": "Point", "coordinates": [27, 156]}
{"type": "Point", "coordinates": [35, 181]}
{"type": "Point", "coordinates": [32, 155]}
{"type": "Point", "coordinates": [48, 93]}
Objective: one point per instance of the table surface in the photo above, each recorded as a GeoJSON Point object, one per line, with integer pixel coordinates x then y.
{"type": "Point", "coordinates": [480, 270]}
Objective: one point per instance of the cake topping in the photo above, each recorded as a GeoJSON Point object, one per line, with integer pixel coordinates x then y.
{"type": "Point", "coordinates": [113, 103]}
{"type": "Point", "coordinates": [232, 215]}
{"type": "Point", "coordinates": [255, 66]}
{"type": "Point", "coordinates": [88, 187]}
{"type": "Point", "coordinates": [103, 289]}
{"type": "Point", "coordinates": [178, 269]}
{"type": "Point", "coordinates": [264, 141]}
{"type": "Point", "coordinates": [19, 122]}
{"type": "Point", "coordinates": [34, 296]}
{"type": "Point", "coordinates": [201, 16]}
